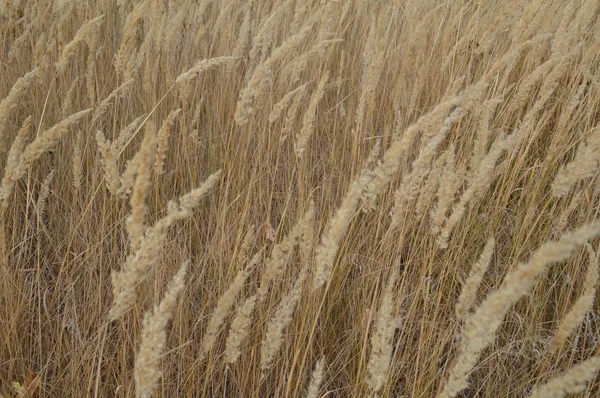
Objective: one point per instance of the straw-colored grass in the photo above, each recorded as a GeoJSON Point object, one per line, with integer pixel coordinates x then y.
{"type": "Point", "coordinates": [369, 198]}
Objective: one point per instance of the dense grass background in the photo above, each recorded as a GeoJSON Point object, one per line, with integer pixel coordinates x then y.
{"type": "Point", "coordinates": [418, 131]}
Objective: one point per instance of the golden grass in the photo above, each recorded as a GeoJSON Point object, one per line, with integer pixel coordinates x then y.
{"type": "Point", "coordinates": [368, 198]}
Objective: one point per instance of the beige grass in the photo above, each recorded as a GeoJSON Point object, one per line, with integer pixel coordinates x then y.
{"type": "Point", "coordinates": [316, 379]}
{"type": "Point", "coordinates": [468, 293]}
{"type": "Point", "coordinates": [481, 327]}
{"type": "Point", "coordinates": [582, 305]}
{"type": "Point", "coordinates": [381, 340]}
{"type": "Point", "coordinates": [387, 185]}
{"type": "Point", "coordinates": [571, 382]}
{"type": "Point", "coordinates": [147, 366]}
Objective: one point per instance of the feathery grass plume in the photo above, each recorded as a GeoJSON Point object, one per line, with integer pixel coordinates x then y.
{"type": "Point", "coordinates": [589, 54]}
{"type": "Point", "coordinates": [44, 192]}
{"type": "Point", "coordinates": [326, 19]}
{"type": "Point", "coordinates": [12, 163]}
{"type": "Point", "coordinates": [159, 18]}
{"type": "Point", "coordinates": [316, 379]}
{"type": "Point", "coordinates": [290, 115]}
{"type": "Point", "coordinates": [16, 92]}
{"type": "Point", "coordinates": [563, 120]}
{"type": "Point", "coordinates": [477, 185]}
{"type": "Point", "coordinates": [526, 86]}
{"type": "Point", "coordinates": [560, 42]}
{"type": "Point", "coordinates": [584, 165]}
{"type": "Point", "coordinates": [480, 328]}
{"type": "Point", "coordinates": [585, 16]}
{"type": "Point", "coordinates": [381, 339]}
{"type": "Point", "coordinates": [163, 141]}
{"type": "Point", "coordinates": [551, 81]}
{"type": "Point", "coordinates": [41, 51]}
{"type": "Point", "coordinates": [238, 332]}
{"type": "Point", "coordinates": [126, 134]}
{"type": "Point", "coordinates": [583, 305]}
{"type": "Point", "coordinates": [263, 40]}
{"type": "Point", "coordinates": [284, 103]}
{"type": "Point", "coordinates": [109, 163]}
{"type": "Point", "coordinates": [530, 21]}
{"type": "Point", "coordinates": [146, 51]}
{"type": "Point", "coordinates": [392, 159]}
{"type": "Point", "coordinates": [198, 108]}
{"type": "Point", "coordinates": [370, 47]}
{"type": "Point", "coordinates": [107, 102]}
{"type": "Point", "coordinates": [17, 46]}
{"type": "Point", "coordinates": [127, 50]}
{"type": "Point", "coordinates": [45, 141]}
{"type": "Point", "coordinates": [429, 189]}
{"type": "Point", "coordinates": [450, 180]}
{"type": "Point", "coordinates": [135, 221]}
{"type": "Point", "coordinates": [184, 80]}
{"type": "Point", "coordinates": [69, 98]}
{"type": "Point", "coordinates": [138, 263]}
{"type": "Point", "coordinates": [384, 172]}
{"type": "Point", "coordinates": [455, 87]}
{"type": "Point", "coordinates": [282, 250]}
{"type": "Point", "coordinates": [483, 133]}
{"type": "Point", "coordinates": [468, 294]}
{"type": "Point", "coordinates": [136, 58]}
{"type": "Point", "coordinates": [91, 40]}
{"type": "Point", "coordinates": [293, 70]}
{"type": "Point", "coordinates": [224, 17]}
{"type": "Point", "coordinates": [338, 226]}
{"type": "Point", "coordinates": [244, 33]}
{"type": "Point", "coordinates": [85, 32]}
{"type": "Point", "coordinates": [128, 177]}
{"type": "Point", "coordinates": [77, 163]}
{"type": "Point", "coordinates": [300, 14]}
{"type": "Point", "coordinates": [224, 306]}
{"type": "Point", "coordinates": [12, 100]}
{"type": "Point", "coordinates": [273, 339]}
{"type": "Point", "coordinates": [570, 382]}
{"type": "Point", "coordinates": [527, 124]}
{"type": "Point", "coordinates": [154, 337]}
{"type": "Point", "coordinates": [410, 186]}
{"type": "Point", "coordinates": [560, 224]}
{"type": "Point", "coordinates": [172, 35]}
{"type": "Point", "coordinates": [374, 153]}
{"type": "Point", "coordinates": [307, 233]}
{"type": "Point", "coordinates": [262, 75]}
{"type": "Point", "coordinates": [309, 117]}
{"type": "Point", "coordinates": [150, 54]}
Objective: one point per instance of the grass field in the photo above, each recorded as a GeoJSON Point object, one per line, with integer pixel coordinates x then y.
{"type": "Point", "coordinates": [299, 198]}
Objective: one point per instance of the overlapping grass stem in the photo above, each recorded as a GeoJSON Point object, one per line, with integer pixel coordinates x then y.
{"type": "Point", "coordinates": [296, 198]}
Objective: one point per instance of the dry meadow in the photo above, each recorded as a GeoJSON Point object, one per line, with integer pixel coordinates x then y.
{"type": "Point", "coordinates": [299, 198]}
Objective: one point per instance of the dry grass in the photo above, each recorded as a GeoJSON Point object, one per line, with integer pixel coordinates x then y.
{"type": "Point", "coordinates": [368, 198]}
